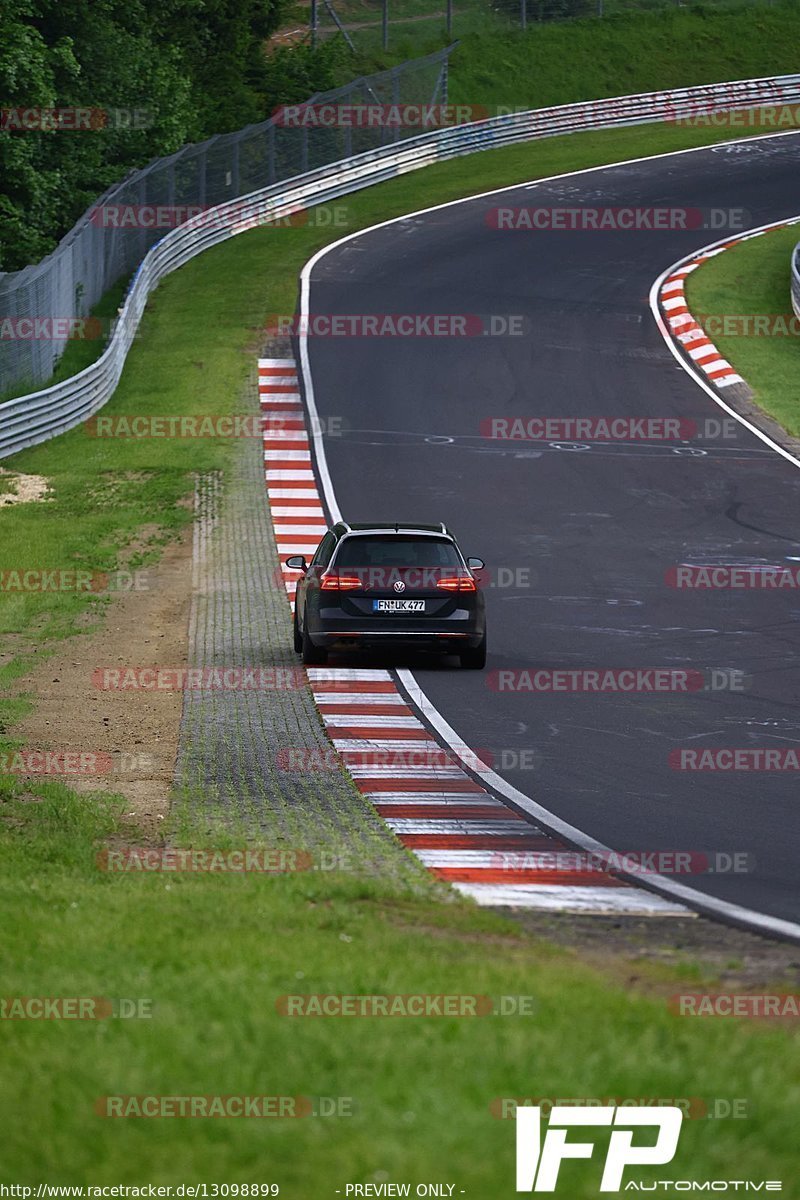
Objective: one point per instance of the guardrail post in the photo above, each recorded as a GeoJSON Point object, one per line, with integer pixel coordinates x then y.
{"type": "Point", "coordinates": [395, 101]}
{"type": "Point", "coordinates": [271, 152]}
{"type": "Point", "coordinates": [234, 172]}
{"type": "Point", "coordinates": [202, 163]}
{"type": "Point", "coordinates": [141, 192]}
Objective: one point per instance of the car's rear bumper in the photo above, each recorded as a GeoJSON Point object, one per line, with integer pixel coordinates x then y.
{"type": "Point", "coordinates": [461, 627]}
{"type": "Point", "coordinates": [435, 639]}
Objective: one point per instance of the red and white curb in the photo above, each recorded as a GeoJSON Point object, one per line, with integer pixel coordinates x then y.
{"type": "Point", "coordinates": [684, 329]}
{"type": "Point", "coordinates": [687, 332]}
{"type": "Point", "coordinates": [460, 831]}
{"type": "Point", "coordinates": [297, 513]}
{"type": "Point", "coordinates": [457, 828]}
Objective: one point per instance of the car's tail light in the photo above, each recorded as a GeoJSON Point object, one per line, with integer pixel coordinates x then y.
{"type": "Point", "coordinates": [339, 583]}
{"type": "Point", "coordinates": [457, 583]}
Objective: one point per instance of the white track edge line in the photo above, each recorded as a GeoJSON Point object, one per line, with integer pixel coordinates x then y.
{"type": "Point", "coordinates": [699, 901]}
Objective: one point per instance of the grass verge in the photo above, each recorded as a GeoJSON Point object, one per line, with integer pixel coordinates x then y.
{"type": "Point", "coordinates": [414, 1098]}
{"type": "Point", "coordinates": [746, 292]}
{"type": "Point", "coordinates": [583, 59]}
{"type": "Point", "coordinates": [213, 953]}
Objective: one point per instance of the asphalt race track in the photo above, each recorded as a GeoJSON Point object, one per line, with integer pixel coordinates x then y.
{"type": "Point", "coordinates": [586, 536]}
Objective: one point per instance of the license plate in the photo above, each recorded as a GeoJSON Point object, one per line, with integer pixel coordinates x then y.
{"type": "Point", "coordinates": [398, 606]}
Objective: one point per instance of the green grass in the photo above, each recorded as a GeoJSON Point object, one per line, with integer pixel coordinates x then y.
{"type": "Point", "coordinates": [752, 279]}
{"type": "Point", "coordinates": [676, 47]}
{"type": "Point", "coordinates": [672, 46]}
{"type": "Point", "coordinates": [213, 953]}
{"type": "Point", "coordinates": [81, 352]}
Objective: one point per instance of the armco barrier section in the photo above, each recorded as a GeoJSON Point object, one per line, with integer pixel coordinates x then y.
{"type": "Point", "coordinates": [796, 280]}
{"type": "Point", "coordinates": [30, 419]}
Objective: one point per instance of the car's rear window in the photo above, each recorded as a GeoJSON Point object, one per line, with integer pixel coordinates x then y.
{"type": "Point", "coordinates": [393, 550]}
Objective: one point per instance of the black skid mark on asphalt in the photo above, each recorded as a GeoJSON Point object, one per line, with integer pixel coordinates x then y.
{"type": "Point", "coordinates": [732, 513]}
{"type": "Point", "coordinates": [519, 449]}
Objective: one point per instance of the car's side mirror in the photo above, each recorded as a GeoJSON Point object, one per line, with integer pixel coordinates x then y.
{"type": "Point", "coordinates": [297, 563]}
{"type": "Point", "coordinates": [476, 564]}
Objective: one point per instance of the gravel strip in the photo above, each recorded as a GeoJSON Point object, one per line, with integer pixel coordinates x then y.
{"type": "Point", "coordinates": [229, 782]}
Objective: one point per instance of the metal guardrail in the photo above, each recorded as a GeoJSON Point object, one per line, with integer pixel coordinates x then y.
{"type": "Point", "coordinates": [31, 419]}
{"type": "Point", "coordinates": [796, 280]}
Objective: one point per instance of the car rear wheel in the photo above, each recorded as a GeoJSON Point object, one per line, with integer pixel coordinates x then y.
{"type": "Point", "coordinates": [474, 657]}
{"type": "Point", "coordinates": [313, 656]}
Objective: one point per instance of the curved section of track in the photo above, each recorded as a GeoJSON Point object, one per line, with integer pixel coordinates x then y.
{"type": "Point", "coordinates": [586, 533]}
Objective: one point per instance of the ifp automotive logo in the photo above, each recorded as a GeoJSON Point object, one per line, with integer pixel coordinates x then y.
{"type": "Point", "coordinates": [539, 1160]}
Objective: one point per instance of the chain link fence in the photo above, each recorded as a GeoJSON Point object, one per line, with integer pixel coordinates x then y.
{"type": "Point", "coordinates": [531, 12]}
{"type": "Point", "coordinates": [38, 305]}
{"type": "Point", "coordinates": [368, 25]}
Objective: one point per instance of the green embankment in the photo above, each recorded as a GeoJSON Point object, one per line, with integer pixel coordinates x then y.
{"type": "Point", "coordinates": [743, 298]}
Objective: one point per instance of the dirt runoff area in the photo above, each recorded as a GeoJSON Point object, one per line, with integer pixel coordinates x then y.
{"type": "Point", "coordinates": [125, 742]}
